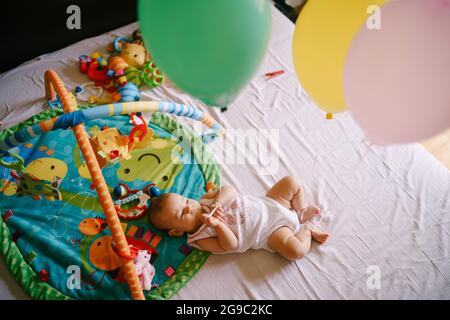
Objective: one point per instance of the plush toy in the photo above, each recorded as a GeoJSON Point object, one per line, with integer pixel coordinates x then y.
{"type": "Point", "coordinates": [144, 269]}
{"type": "Point", "coordinates": [128, 54]}
{"type": "Point", "coordinates": [134, 54]}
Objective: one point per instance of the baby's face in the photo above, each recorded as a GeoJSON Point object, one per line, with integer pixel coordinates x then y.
{"type": "Point", "coordinates": [181, 213]}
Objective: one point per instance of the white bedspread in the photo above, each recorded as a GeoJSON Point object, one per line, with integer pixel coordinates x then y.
{"type": "Point", "coordinates": [384, 207]}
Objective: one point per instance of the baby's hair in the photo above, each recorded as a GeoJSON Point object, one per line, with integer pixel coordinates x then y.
{"type": "Point", "coordinates": [155, 210]}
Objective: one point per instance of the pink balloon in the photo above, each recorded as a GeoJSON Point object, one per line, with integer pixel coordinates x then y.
{"type": "Point", "coordinates": [397, 78]}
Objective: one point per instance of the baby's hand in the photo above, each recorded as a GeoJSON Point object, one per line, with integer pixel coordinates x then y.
{"type": "Point", "coordinates": [219, 213]}
{"type": "Point", "coordinates": [210, 221]}
{"type": "Point", "coordinates": [215, 219]}
{"type": "Point", "coordinates": [208, 206]}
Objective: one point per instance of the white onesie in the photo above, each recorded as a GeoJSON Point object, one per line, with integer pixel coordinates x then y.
{"type": "Point", "coordinates": [252, 220]}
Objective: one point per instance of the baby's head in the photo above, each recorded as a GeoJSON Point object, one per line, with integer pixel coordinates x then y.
{"type": "Point", "coordinates": [175, 213]}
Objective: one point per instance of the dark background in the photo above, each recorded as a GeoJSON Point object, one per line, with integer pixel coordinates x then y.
{"type": "Point", "coordinates": [30, 28]}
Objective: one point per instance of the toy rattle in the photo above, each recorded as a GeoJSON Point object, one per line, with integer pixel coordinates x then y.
{"type": "Point", "coordinates": [125, 195]}
{"type": "Point", "coordinates": [79, 90]}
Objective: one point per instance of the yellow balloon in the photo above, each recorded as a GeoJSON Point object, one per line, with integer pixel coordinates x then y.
{"type": "Point", "coordinates": [323, 34]}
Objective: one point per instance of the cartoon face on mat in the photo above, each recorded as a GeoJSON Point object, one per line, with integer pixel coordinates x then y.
{"type": "Point", "coordinates": [92, 226]}
{"type": "Point", "coordinates": [9, 188]}
{"type": "Point", "coordinates": [157, 163]}
{"type": "Point", "coordinates": [83, 171]}
{"type": "Point", "coordinates": [102, 255]}
{"type": "Point", "coordinates": [47, 169]}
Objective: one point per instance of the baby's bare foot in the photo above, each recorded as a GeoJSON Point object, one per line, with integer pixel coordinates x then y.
{"type": "Point", "coordinates": [308, 213]}
{"type": "Point", "coordinates": [320, 237]}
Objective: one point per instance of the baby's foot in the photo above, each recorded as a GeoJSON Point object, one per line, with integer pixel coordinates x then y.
{"type": "Point", "coordinates": [319, 236]}
{"type": "Point", "coordinates": [308, 213]}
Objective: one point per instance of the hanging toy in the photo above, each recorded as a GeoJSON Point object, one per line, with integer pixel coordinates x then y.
{"type": "Point", "coordinates": [141, 135]}
{"type": "Point", "coordinates": [110, 144]}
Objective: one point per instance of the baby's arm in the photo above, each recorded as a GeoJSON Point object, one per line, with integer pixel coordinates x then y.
{"type": "Point", "coordinates": [224, 241]}
{"type": "Point", "coordinates": [223, 195]}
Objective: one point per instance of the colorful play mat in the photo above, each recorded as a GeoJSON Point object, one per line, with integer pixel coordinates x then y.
{"type": "Point", "coordinates": [53, 228]}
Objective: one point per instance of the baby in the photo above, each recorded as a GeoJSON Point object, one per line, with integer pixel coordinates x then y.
{"type": "Point", "coordinates": [277, 222]}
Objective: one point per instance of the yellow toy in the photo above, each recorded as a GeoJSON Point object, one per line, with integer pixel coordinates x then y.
{"type": "Point", "coordinates": [110, 144]}
{"type": "Point", "coordinates": [134, 54]}
{"type": "Point", "coordinates": [48, 169]}
{"type": "Point", "coordinates": [129, 55]}
{"type": "Point", "coordinates": [9, 188]}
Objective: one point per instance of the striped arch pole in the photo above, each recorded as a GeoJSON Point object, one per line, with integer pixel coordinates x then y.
{"type": "Point", "coordinates": [54, 86]}
{"type": "Point", "coordinates": [72, 119]}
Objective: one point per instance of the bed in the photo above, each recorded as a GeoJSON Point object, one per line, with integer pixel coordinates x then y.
{"type": "Point", "coordinates": [387, 208]}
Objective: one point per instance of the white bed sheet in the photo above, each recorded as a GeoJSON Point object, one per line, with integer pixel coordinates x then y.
{"type": "Point", "coordinates": [387, 207]}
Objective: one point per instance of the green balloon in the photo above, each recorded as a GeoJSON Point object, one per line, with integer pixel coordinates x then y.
{"type": "Point", "coordinates": [208, 48]}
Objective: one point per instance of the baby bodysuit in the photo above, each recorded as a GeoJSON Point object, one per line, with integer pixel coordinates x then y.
{"type": "Point", "coordinates": [252, 220]}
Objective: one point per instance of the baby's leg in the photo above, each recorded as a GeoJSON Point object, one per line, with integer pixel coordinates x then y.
{"type": "Point", "coordinates": [289, 193]}
{"type": "Point", "coordinates": [294, 246]}
{"type": "Point", "coordinates": [289, 245]}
